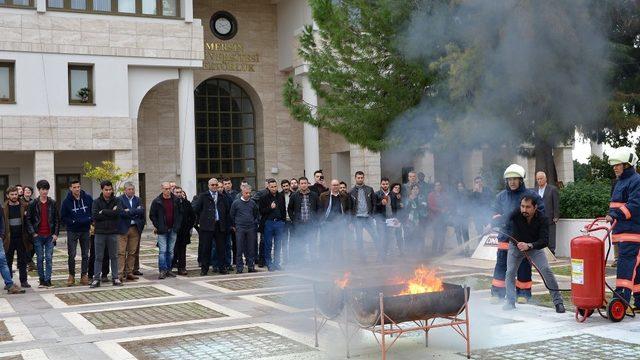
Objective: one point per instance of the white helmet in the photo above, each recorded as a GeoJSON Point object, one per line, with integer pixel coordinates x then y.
{"type": "Point", "coordinates": [514, 171]}
{"type": "Point", "coordinates": [623, 155]}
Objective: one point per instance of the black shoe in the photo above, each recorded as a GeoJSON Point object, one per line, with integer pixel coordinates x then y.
{"type": "Point", "coordinates": [137, 273]}
{"type": "Point", "coordinates": [260, 265]}
{"type": "Point", "coordinates": [252, 270]}
{"type": "Point", "coordinates": [560, 309]}
{"type": "Point", "coordinates": [25, 285]}
{"type": "Point", "coordinates": [95, 284]}
{"type": "Point", "coordinates": [104, 279]}
{"type": "Point", "coordinates": [116, 282]}
{"type": "Point", "coordinates": [204, 272]}
{"type": "Point", "coordinates": [162, 275]}
{"type": "Point", "coordinates": [170, 274]}
{"type": "Point", "coordinates": [49, 284]}
{"type": "Point", "coordinates": [6, 287]}
{"type": "Point", "coordinates": [239, 271]}
{"type": "Point", "coordinates": [508, 306]}
{"type": "Point", "coordinates": [230, 268]}
{"type": "Point", "coordinates": [223, 271]}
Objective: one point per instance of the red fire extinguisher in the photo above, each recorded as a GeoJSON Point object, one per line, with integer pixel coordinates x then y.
{"type": "Point", "coordinates": [588, 261]}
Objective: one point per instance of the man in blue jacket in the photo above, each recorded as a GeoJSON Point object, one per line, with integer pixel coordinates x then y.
{"type": "Point", "coordinates": [625, 208]}
{"type": "Point", "coordinates": [507, 201]}
{"type": "Point", "coordinates": [130, 226]}
{"type": "Point", "coordinates": [75, 213]}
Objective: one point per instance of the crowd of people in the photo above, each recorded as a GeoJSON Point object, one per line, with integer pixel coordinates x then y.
{"type": "Point", "coordinates": [290, 222]}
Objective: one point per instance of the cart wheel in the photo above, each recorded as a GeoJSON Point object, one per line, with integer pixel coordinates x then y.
{"type": "Point", "coordinates": [616, 310]}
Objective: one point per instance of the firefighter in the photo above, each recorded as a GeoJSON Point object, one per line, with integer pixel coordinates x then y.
{"type": "Point", "coordinates": [625, 208]}
{"type": "Point", "coordinates": [507, 201]}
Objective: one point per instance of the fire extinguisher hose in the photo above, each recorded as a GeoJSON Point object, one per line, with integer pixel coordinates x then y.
{"type": "Point", "coordinates": [617, 295]}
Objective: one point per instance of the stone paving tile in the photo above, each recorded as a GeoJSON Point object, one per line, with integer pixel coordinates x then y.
{"type": "Point", "coordinates": [150, 315]}
{"type": "Point", "coordinates": [240, 344]}
{"type": "Point", "coordinates": [5, 335]}
{"type": "Point", "coordinates": [298, 300]}
{"type": "Point", "coordinates": [121, 294]}
{"type": "Point", "coordinates": [579, 347]}
{"type": "Point", "coordinates": [12, 357]}
{"type": "Point", "coordinates": [261, 282]}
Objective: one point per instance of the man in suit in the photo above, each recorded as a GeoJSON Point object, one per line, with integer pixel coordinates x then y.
{"type": "Point", "coordinates": [551, 198]}
{"type": "Point", "coordinates": [130, 226]}
{"type": "Point", "coordinates": [212, 222]}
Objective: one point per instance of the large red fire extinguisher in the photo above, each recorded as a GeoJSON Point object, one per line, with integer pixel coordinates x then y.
{"type": "Point", "coordinates": [588, 284]}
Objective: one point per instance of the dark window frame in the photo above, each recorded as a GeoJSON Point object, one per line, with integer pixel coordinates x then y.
{"type": "Point", "coordinates": [206, 111]}
{"type": "Point", "coordinates": [10, 4]}
{"type": "Point", "coordinates": [11, 64]}
{"type": "Point", "coordinates": [89, 69]}
{"type": "Point", "coordinates": [66, 7]}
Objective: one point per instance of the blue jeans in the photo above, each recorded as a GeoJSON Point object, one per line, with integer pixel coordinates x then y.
{"type": "Point", "coordinates": [4, 268]}
{"type": "Point", "coordinates": [360, 224]}
{"type": "Point", "coordinates": [44, 252]}
{"type": "Point", "coordinates": [166, 244]}
{"type": "Point", "coordinates": [273, 233]}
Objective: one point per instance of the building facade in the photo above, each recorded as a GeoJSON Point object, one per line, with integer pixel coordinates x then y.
{"type": "Point", "coordinates": [178, 90]}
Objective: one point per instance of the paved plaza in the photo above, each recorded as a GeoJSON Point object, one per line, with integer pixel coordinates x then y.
{"type": "Point", "coordinates": [270, 315]}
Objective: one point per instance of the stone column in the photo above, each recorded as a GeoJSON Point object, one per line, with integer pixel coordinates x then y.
{"type": "Point", "coordinates": [563, 156]}
{"type": "Point", "coordinates": [187, 132]}
{"type": "Point", "coordinates": [126, 161]}
{"type": "Point", "coordinates": [187, 10]}
{"type": "Point", "coordinates": [311, 139]}
{"type": "Point", "coordinates": [596, 149]}
{"type": "Point", "coordinates": [368, 162]}
{"type": "Point", "coordinates": [44, 169]}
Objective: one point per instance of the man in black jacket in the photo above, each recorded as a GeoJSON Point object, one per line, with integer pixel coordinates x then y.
{"type": "Point", "coordinates": [183, 237]}
{"type": "Point", "coordinates": [43, 226]}
{"type": "Point", "coordinates": [273, 212]}
{"type": "Point", "coordinates": [212, 222]}
{"type": "Point", "coordinates": [386, 208]}
{"type": "Point", "coordinates": [166, 216]}
{"type": "Point", "coordinates": [528, 230]}
{"type": "Point", "coordinates": [106, 214]}
{"type": "Point", "coordinates": [363, 200]}
{"type": "Point", "coordinates": [303, 212]}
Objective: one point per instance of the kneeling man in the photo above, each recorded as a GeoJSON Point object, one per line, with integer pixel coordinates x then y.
{"type": "Point", "coordinates": [529, 232]}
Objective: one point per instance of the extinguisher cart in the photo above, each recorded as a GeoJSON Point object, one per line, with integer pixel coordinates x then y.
{"type": "Point", "coordinates": [588, 264]}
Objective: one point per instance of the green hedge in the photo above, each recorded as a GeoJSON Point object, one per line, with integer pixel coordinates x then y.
{"type": "Point", "coordinates": [585, 200]}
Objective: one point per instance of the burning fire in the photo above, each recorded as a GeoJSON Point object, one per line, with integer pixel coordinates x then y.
{"type": "Point", "coordinates": [423, 281]}
{"type": "Point", "coordinates": [344, 281]}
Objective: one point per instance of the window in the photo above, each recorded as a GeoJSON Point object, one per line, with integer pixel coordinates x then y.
{"type": "Point", "coordinates": [81, 84]}
{"type": "Point", "coordinates": [225, 133]}
{"type": "Point", "coordinates": [16, 3]}
{"type": "Point", "coordinates": [155, 8]}
{"type": "Point", "coordinates": [7, 82]}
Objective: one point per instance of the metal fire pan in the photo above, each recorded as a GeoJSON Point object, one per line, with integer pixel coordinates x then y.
{"type": "Point", "coordinates": [366, 307]}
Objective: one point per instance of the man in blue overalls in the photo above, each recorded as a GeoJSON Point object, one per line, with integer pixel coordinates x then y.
{"type": "Point", "coordinates": [625, 208]}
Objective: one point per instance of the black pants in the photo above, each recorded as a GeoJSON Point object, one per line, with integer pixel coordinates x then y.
{"type": "Point", "coordinates": [16, 245]}
{"type": "Point", "coordinates": [180, 255]}
{"type": "Point", "coordinates": [92, 259]}
{"type": "Point", "coordinates": [208, 239]}
{"type": "Point", "coordinates": [246, 245]}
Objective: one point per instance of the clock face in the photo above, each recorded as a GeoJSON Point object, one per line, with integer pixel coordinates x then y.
{"type": "Point", "coordinates": [223, 25]}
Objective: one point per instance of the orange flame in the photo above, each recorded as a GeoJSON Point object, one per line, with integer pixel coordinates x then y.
{"type": "Point", "coordinates": [423, 281]}
{"type": "Point", "coordinates": [344, 281]}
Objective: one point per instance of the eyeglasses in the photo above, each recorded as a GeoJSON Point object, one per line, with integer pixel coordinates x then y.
{"type": "Point", "coordinates": [214, 185]}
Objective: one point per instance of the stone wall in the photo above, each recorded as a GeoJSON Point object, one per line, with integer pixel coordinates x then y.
{"type": "Point", "coordinates": [90, 34]}
{"type": "Point", "coordinates": [65, 133]}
